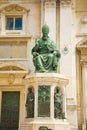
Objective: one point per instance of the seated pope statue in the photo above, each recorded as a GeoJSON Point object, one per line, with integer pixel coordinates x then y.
{"type": "Point", "coordinates": [45, 54]}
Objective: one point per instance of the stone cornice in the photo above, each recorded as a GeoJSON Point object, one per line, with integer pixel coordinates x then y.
{"type": "Point", "coordinates": [15, 38]}
{"type": "Point", "coordinates": [65, 3]}
{"type": "Point", "coordinates": [50, 4]}
{"type": "Point", "coordinates": [71, 107]}
{"type": "Point", "coordinates": [83, 62]}
{"type": "Point", "coordinates": [47, 78]}
{"type": "Point", "coordinates": [14, 8]}
{"type": "Point", "coordinates": [82, 45]}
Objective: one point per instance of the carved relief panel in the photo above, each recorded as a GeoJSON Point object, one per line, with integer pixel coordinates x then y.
{"type": "Point", "coordinates": [44, 101]}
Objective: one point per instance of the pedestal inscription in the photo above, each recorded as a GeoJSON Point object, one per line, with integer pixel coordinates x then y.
{"type": "Point", "coordinates": [44, 101]}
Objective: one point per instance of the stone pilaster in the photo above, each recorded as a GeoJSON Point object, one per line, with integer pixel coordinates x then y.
{"type": "Point", "coordinates": [50, 17]}
{"type": "Point", "coordinates": [67, 62]}
{"type": "Point", "coordinates": [66, 41]}
{"type": "Point", "coordinates": [0, 104]}
{"type": "Point", "coordinates": [0, 23]}
{"type": "Point", "coordinates": [84, 82]}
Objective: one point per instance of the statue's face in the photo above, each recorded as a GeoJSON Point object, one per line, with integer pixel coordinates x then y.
{"type": "Point", "coordinates": [30, 89]}
{"type": "Point", "coordinates": [45, 35]}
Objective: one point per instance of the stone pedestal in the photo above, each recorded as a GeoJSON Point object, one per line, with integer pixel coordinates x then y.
{"type": "Point", "coordinates": [44, 114]}
{"type": "Point", "coordinates": [50, 124]}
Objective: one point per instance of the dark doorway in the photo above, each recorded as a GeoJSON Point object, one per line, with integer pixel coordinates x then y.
{"type": "Point", "coordinates": [10, 111]}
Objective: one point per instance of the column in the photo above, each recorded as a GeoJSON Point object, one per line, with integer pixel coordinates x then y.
{"type": "Point", "coordinates": [50, 17]}
{"type": "Point", "coordinates": [36, 101]}
{"type": "Point", "coordinates": [0, 23]}
{"type": "Point", "coordinates": [64, 100]}
{"type": "Point", "coordinates": [22, 106]}
{"type": "Point", "coordinates": [0, 103]}
{"type": "Point", "coordinates": [84, 82]}
{"type": "Point", "coordinates": [52, 101]}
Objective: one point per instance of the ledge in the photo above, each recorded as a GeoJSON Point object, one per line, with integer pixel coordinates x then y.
{"type": "Point", "coordinates": [15, 37]}
{"type": "Point", "coordinates": [81, 34]}
{"type": "Point", "coordinates": [47, 78]}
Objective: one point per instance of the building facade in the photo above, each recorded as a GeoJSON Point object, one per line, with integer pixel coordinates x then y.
{"type": "Point", "coordinates": [20, 26]}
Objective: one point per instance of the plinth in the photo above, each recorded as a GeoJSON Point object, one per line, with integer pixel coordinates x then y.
{"type": "Point", "coordinates": [44, 85]}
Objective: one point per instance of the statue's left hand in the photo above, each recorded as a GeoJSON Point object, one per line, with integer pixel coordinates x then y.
{"type": "Point", "coordinates": [55, 53]}
{"type": "Point", "coordinates": [35, 54]}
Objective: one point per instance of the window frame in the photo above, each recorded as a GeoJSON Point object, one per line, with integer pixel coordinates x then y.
{"type": "Point", "coordinates": [11, 32]}
{"type": "Point", "coordinates": [14, 10]}
{"type": "Point", "coordinates": [14, 19]}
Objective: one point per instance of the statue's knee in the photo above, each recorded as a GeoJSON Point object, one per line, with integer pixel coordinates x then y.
{"type": "Point", "coordinates": [51, 55]}
{"type": "Point", "coordinates": [39, 59]}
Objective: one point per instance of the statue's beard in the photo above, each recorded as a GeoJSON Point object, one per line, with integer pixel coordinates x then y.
{"type": "Point", "coordinates": [45, 37]}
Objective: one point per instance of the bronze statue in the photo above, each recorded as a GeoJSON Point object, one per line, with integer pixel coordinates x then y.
{"type": "Point", "coordinates": [58, 104]}
{"type": "Point", "coordinates": [43, 128]}
{"type": "Point", "coordinates": [30, 103]}
{"type": "Point", "coordinates": [45, 54]}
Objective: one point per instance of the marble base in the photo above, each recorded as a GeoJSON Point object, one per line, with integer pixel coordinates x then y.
{"type": "Point", "coordinates": [51, 124]}
{"type": "Point", "coordinates": [53, 80]}
{"type": "Point", "coordinates": [84, 126]}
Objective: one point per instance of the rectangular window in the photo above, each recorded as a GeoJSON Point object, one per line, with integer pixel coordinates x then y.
{"type": "Point", "coordinates": [13, 23]}
{"type": "Point", "coordinates": [13, 50]}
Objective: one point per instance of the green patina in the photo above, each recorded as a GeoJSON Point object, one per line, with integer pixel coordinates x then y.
{"type": "Point", "coordinates": [58, 104]}
{"type": "Point", "coordinates": [45, 53]}
{"type": "Point", "coordinates": [30, 103]}
{"type": "Point", "coordinates": [44, 101]}
{"type": "Point", "coordinates": [43, 128]}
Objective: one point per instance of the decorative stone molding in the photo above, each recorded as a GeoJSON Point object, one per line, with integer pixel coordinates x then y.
{"type": "Point", "coordinates": [0, 23]}
{"type": "Point", "coordinates": [83, 19]}
{"type": "Point", "coordinates": [12, 73]}
{"type": "Point", "coordinates": [11, 78]}
{"type": "Point", "coordinates": [41, 77]}
{"type": "Point", "coordinates": [82, 44]}
{"type": "Point", "coordinates": [82, 62]}
{"type": "Point", "coordinates": [82, 47]}
{"type": "Point", "coordinates": [71, 107]}
{"type": "Point", "coordinates": [11, 66]}
{"type": "Point", "coordinates": [65, 3]}
{"type": "Point", "coordinates": [14, 8]}
{"type": "Point", "coordinates": [50, 4]}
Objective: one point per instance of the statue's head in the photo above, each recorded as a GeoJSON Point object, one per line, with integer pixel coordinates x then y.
{"type": "Point", "coordinates": [30, 89]}
{"type": "Point", "coordinates": [57, 89]}
{"type": "Point", "coordinates": [45, 28]}
{"type": "Point", "coordinates": [43, 128]}
{"type": "Point", "coordinates": [45, 31]}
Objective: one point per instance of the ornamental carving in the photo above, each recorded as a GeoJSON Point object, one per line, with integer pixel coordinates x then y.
{"type": "Point", "coordinates": [83, 19]}
{"type": "Point", "coordinates": [11, 78]}
{"type": "Point", "coordinates": [14, 9]}
{"type": "Point", "coordinates": [50, 4]}
{"type": "Point", "coordinates": [82, 44]}
{"type": "Point", "coordinates": [44, 101]}
{"type": "Point", "coordinates": [65, 2]}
